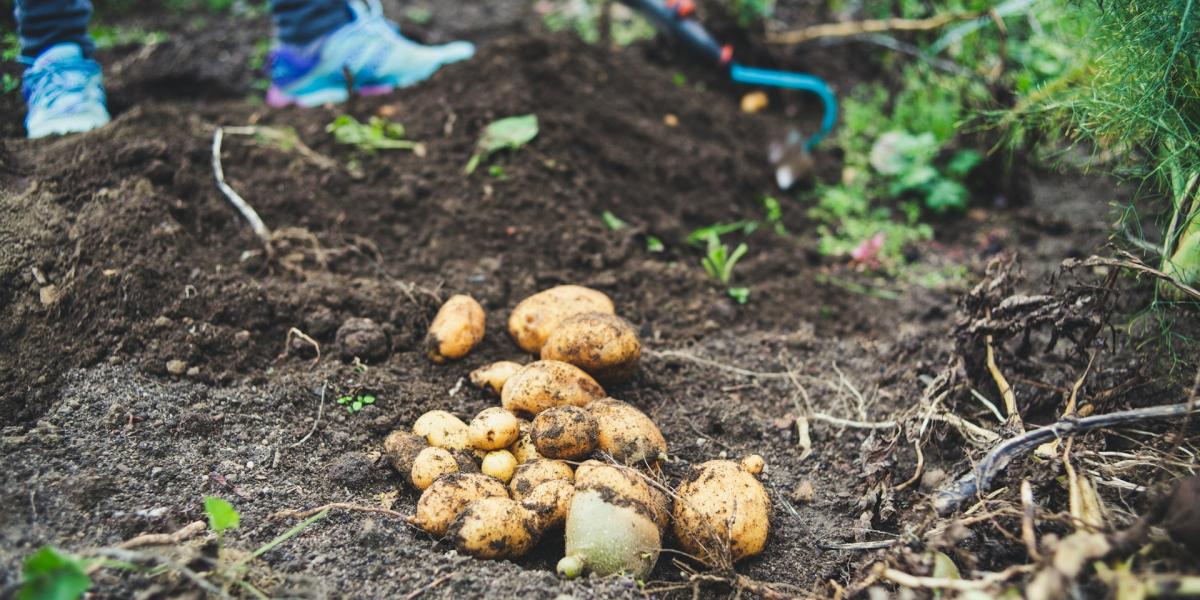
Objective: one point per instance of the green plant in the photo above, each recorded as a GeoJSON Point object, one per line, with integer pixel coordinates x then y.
{"type": "Point", "coordinates": [907, 163]}
{"type": "Point", "coordinates": [50, 574]}
{"type": "Point", "coordinates": [718, 261]}
{"type": "Point", "coordinates": [376, 134]}
{"type": "Point", "coordinates": [613, 221]}
{"type": "Point", "coordinates": [356, 402]}
{"type": "Point", "coordinates": [497, 171]}
{"type": "Point", "coordinates": [506, 134]}
{"type": "Point", "coordinates": [584, 18]}
{"type": "Point", "coordinates": [9, 83]}
{"type": "Point", "coordinates": [112, 36]}
{"type": "Point", "coordinates": [421, 15]}
{"type": "Point", "coordinates": [702, 235]}
{"type": "Point", "coordinates": [10, 46]}
{"type": "Point", "coordinates": [221, 515]}
{"type": "Point", "coordinates": [749, 12]}
{"type": "Point", "coordinates": [653, 244]}
{"type": "Point", "coordinates": [741, 295]}
{"type": "Point", "coordinates": [774, 216]}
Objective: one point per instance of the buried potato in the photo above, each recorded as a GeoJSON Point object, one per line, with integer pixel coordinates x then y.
{"type": "Point", "coordinates": [443, 430]}
{"type": "Point", "coordinates": [493, 428]}
{"type": "Point", "coordinates": [493, 376]}
{"type": "Point", "coordinates": [449, 495]}
{"type": "Point", "coordinates": [604, 345]}
{"type": "Point", "coordinates": [566, 432]}
{"type": "Point", "coordinates": [401, 449]}
{"type": "Point", "coordinates": [457, 328]}
{"type": "Point", "coordinates": [536, 317]}
{"type": "Point", "coordinates": [493, 527]}
{"type": "Point", "coordinates": [626, 433]}
{"type": "Point", "coordinates": [548, 383]}
{"type": "Point", "coordinates": [722, 511]}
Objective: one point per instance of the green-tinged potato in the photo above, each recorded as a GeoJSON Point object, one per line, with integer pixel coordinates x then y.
{"type": "Point", "coordinates": [448, 496]}
{"type": "Point", "coordinates": [603, 344]}
{"type": "Point", "coordinates": [606, 535]}
{"type": "Point", "coordinates": [430, 464]}
{"type": "Point", "coordinates": [493, 528]}
{"type": "Point", "coordinates": [523, 449]}
{"type": "Point", "coordinates": [549, 502]}
{"type": "Point", "coordinates": [626, 433]}
{"type": "Point", "coordinates": [457, 328]}
{"type": "Point", "coordinates": [499, 464]}
{"type": "Point", "coordinates": [493, 428]}
{"type": "Point", "coordinates": [721, 513]}
{"type": "Point", "coordinates": [534, 473]}
{"type": "Point", "coordinates": [628, 483]}
{"type": "Point", "coordinates": [566, 432]}
{"type": "Point", "coordinates": [536, 317]}
{"type": "Point", "coordinates": [548, 383]}
{"type": "Point", "coordinates": [493, 376]}
{"type": "Point", "coordinates": [443, 430]}
{"type": "Point", "coordinates": [401, 449]}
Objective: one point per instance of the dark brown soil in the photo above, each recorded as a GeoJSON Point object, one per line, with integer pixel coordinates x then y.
{"type": "Point", "coordinates": [146, 360]}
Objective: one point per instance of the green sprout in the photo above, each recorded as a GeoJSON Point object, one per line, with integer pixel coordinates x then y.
{"type": "Point", "coordinates": [741, 295]}
{"type": "Point", "coordinates": [221, 515]}
{"type": "Point", "coordinates": [51, 574]}
{"type": "Point", "coordinates": [506, 134]}
{"type": "Point", "coordinates": [497, 171]}
{"type": "Point", "coordinates": [356, 402]}
{"type": "Point", "coordinates": [613, 221]}
{"type": "Point", "coordinates": [718, 261]}
{"type": "Point", "coordinates": [654, 244]}
{"type": "Point", "coordinates": [421, 15]}
{"type": "Point", "coordinates": [375, 134]}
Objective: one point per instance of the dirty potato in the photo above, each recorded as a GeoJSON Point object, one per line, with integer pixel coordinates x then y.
{"type": "Point", "coordinates": [443, 501]}
{"type": "Point", "coordinates": [443, 430]}
{"type": "Point", "coordinates": [604, 345]}
{"type": "Point", "coordinates": [494, 428]}
{"type": "Point", "coordinates": [607, 534]}
{"type": "Point", "coordinates": [499, 464]}
{"type": "Point", "coordinates": [523, 449]}
{"type": "Point", "coordinates": [493, 528]}
{"type": "Point", "coordinates": [401, 449]}
{"type": "Point", "coordinates": [629, 483]}
{"type": "Point", "coordinates": [492, 377]}
{"type": "Point", "coordinates": [430, 464]}
{"type": "Point", "coordinates": [566, 432]}
{"type": "Point", "coordinates": [532, 474]}
{"type": "Point", "coordinates": [626, 433]}
{"type": "Point", "coordinates": [550, 502]}
{"type": "Point", "coordinates": [721, 513]}
{"type": "Point", "coordinates": [536, 317]}
{"type": "Point", "coordinates": [548, 383]}
{"type": "Point", "coordinates": [457, 328]}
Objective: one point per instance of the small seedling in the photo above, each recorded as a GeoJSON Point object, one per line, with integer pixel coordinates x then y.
{"type": "Point", "coordinates": [701, 235]}
{"type": "Point", "coordinates": [497, 171]}
{"type": "Point", "coordinates": [774, 214]}
{"type": "Point", "coordinates": [376, 134]}
{"type": "Point", "coordinates": [356, 402]}
{"type": "Point", "coordinates": [613, 221]}
{"type": "Point", "coordinates": [50, 574]}
{"type": "Point", "coordinates": [718, 261]}
{"type": "Point", "coordinates": [506, 134]}
{"type": "Point", "coordinates": [9, 83]}
{"type": "Point", "coordinates": [421, 15]}
{"type": "Point", "coordinates": [221, 515]}
{"type": "Point", "coordinates": [741, 295]}
{"type": "Point", "coordinates": [654, 244]}
{"type": "Point", "coordinates": [679, 79]}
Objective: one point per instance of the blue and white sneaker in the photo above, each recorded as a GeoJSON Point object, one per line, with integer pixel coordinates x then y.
{"type": "Point", "coordinates": [369, 49]}
{"type": "Point", "coordinates": [64, 93]}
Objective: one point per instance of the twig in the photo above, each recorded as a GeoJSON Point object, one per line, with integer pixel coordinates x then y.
{"type": "Point", "coordinates": [958, 585]}
{"type": "Point", "coordinates": [421, 590]}
{"type": "Point", "coordinates": [689, 357]}
{"type": "Point", "coordinates": [840, 422]}
{"type": "Point", "coordinates": [1136, 265]}
{"type": "Point", "coordinates": [1006, 391]}
{"type": "Point", "coordinates": [248, 212]}
{"type": "Point", "coordinates": [320, 410]}
{"type": "Point", "coordinates": [876, 545]}
{"type": "Point", "coordinates": [1028, 531]}
{"type": "Point", "coordinates": [852, 28]}
{"type": "Point", "coordinates": [918, 471]}
{"type": "Point", "coordinates": [304, 514]}
{"type": "Point", "coordinates": [161, 539]}
{"type": "Point", "coordinates": [133, 556]}
{"type": "Point", "coordinates": [295, 332]}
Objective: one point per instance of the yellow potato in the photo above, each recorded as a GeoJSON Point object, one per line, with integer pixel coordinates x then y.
{"type": "Point", "coordinates": [626, 433]}
{"type": "Point", "coordinates": [548, 383]}
{"type": "Point", "coordinates": [443, 430]}
{"type": "Point", "coordinates": [443, 501]}
{"type": "Point", "coordinates": [499, 464]}
{"type": "Point", "coordinates": [722, 513]}
{"type": "Point", "coordinates": [536, 317]}
{"type": "Point", "coordinates": [430, 464]}
{"type": "Point", "coordinates": [566, 432]}
{"type": "Point", "coordinates": [630, 484]}
{"type": "Point", "coordinates": [457, 328]}
{"type": "Point", "coordinates": [401, 449]}
{"type": "Point", "coordinates": [494, 428]}
{"type": "Point", "coordinates": [493, 528]}
{"type": "Point", "coordinates": [523, 449]}
{"type": "Point", "coordinates": [549, 502]}
{"type": "Point", "coordinates": [604, 345]}
{"type": "Point", "coordinates": [532, 474]}
{"type": "Point", "coordinates": [493, 376]}
{"type": "Point", "coordinates": [753, 464]}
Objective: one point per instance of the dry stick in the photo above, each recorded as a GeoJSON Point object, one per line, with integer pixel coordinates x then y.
{"type": "Point", "coordinates": [304, 514]}
{"type": "Point", "coordinates": [918, 471]}
{"type": "Point", "coordinates": [194, 577]}
{"type": "Point", "coordinates": [248, 212]}
{"type": "Point", "coordinates": [161, 539]}
{"type": "Point", "coordinates": [945, 583]}
{"type": "Point", "coordinates": [1028, 532]}
{"type": "Point", "coordinates": [320, 409]}
{"type": "Point", "coordinates": [1006, 391]}
{"type": "Point", "coordinates": [951, 496]}
{"type": "Point", "coordinates": [1136, 265]}
{"type": "Point", "coordinates": [436, 582]}
{"type": "Point", "coordinates": [852, 28]}
{"type": "Point", "coordinates": [295, 332]}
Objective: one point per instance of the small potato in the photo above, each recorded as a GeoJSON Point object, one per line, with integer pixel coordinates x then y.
{"type": "Point", "coordinates": [629, 483]}
{"type": "Point", "coordinates": [549, 502]}
{"type": "Point", "coordinates": [536, 317]}
{"type": "Point", "coordinates": [548, 383]}
{"type": "Point", "coordinates": [566, 432]}
{"type": "Point", "coordinates": [430, 464]}
{"type": "Point", "coordinates": [457, 328]}
{"type": "Point", "coordinates": [443, 430]}
{"type": "Point", "coordinates": [722, 513]}
{"type": "Point", "coordinates": [532, 474]}
{"type": "Point", "coordinates": [523, 449]}
{"type": "Point", "coordinates": [604, 345]}
{"type": "Point", "coordinates": [493, 528]}
{"type": "Point", "coordinates": [494, 428]}
{"type": "Point", "coordinates": [493, 376]}
{"type": "Point", "coordinates": [499, 464]}
{"type": "Point", "coordinates": [401, 448]}
{"type": "Point", "coordinates": [627, 433]}
{"type": "Point", "coordinates": [753, 464]}
{"type": "Point", "coordinates": [443, 501]}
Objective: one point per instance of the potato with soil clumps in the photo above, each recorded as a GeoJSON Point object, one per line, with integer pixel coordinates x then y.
{"type": "Point", "coordinates": [604, 345]}
{"type": "Point", "coordinates": [493, 528]}
{"type": "Point", "coordinates": [626, 433]}
{"type": "Point", "coordinates": [494, 428]}
{"type": "Point", "coordinates": [629, 483]}
{"type": "Point", "coordinates": [722, 511]}
{"type": "Point", "coordinates": [565, 432]}
{"type": "Point", "coordinates": [550, 502]}
{"type": "Point", "coordinates": [523, 449]}
{"type": "Point", "coordinates": [546, 384]}
{"type": "Point", "coordinates": [401, 448]}
{"type": "Point", "coordinates": [493, 376]}
{"type": "Point", "coordinates": [443, 430]}
{"type": "Point", "coordinates": [611, 526]}
{"type": "Point", "coordinates": [457, 328]}
{"type": "Point", "coordinates": [536, 317]}
{"type": "Point", "coordinates": [430, 464]}
{"type": "Point", "coordinates": [443, 501]}
{"type": "Point", "coordinates": [532, 474]}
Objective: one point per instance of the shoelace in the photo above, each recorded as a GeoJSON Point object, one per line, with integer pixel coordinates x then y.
{"type": "Point", "coordinates": [57, 80]}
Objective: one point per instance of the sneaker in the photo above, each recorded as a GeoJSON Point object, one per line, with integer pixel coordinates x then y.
{"type": "Point", "coordinates": [64, 93]}
{"type": "Point", "coordinates": [369, 49]}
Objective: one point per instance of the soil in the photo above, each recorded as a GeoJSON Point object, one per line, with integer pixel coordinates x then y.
{"type": "Point", "coordinates": [148, 363]}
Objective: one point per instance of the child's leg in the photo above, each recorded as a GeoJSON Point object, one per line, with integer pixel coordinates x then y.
{"type": "Point", "coordinates": [299, 22]}
{"type": "Point", "coordinates": [44, 23]}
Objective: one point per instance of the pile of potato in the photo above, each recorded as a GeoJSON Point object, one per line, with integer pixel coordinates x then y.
{"type": "Point", "coordinates": [558, 454]}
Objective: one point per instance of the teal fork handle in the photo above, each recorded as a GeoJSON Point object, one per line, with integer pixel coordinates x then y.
{"type": "Point", "coordinates": [793, 81]}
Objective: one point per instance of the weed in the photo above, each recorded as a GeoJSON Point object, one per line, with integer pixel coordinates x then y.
{"type": "Point", "coordinates": [703, 234]}
{"type": "Point", "coordinates": [114, 36]}
{"type": "Point", "coordinates": [11, 46]}
{"type": "Point", "coordinates": [221, 515]}
{"type": "Point", "coordinates": [9, 83]}
{"type": "Point", "coordinates": [679, 79]}
{"type": "Point", "coordinates": [654, 244]}
{"type": "Point", "coordinates": [50, 574]}
{"type": "Point", "coordinates": [774, 216]}
{"type": "Point", "coordinates": [356, 402]}
{"type": "Point", "coordinates": [613, 221]}
{"type": "Point", "coordinates": [497, 171]}
{"type": "Point", "coordinates": [506, 134]}
{"type": "Point", "coordinates": [749, 12]}
{"type": "Point", "coordinates": [741, 295]}
{"type": "Point", "coordinates": [583, 17]}
{"type": "Point", "coordinates": [421, 15]}
{"type": "Point", "coordinates": [718, 261]}
{"type": "Point", "coordinates": [376, 134]}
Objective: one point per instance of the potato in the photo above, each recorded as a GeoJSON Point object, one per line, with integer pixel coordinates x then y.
{"type": "Point", "coordinates": [629, 483]}
{"type": "Point", "coordinates": [604, 345]}
{"type": "Point", "coordinates": [430, 464]}
{"type": "Point", "coordinates": [448, 496]}
{"type": "Point", "coordinates": [721, 513]}
{"type": "Point", "coordinates": [499, 464]}
{"type": "Point", "coordinates": [550, 502]}
{"type": "Point", "coordinates": [493, 376]}
{"type": "Point", "coordinates": [536, 317]}
{"type": "Point", "coordinates": [493, 528]}
{"type": "Point", "coordinates": [493, 428]}
{"type": "Point", "coordinates": [466, 461]}
{"type": "Point", "coordinates": [532, 474]}
{"type": "Point", "coordinates": [606, 534]}
{"type": "Point", "coordinates": [443, 430]}
{"type": "Point", "coordinates": [523, 449]}
{"type": "Point", "coordinates": [753, 464]}
{"type": "Point", "coordinates": [626, 433]}
{"type": "Point", "coordinates": [401, 449]}
{"type": "Point", "coordinates": [457, 328]}
{"type": "Point", "coordinates": [548, 383]}
{"type": "Point", "coordinates": [566, 432]}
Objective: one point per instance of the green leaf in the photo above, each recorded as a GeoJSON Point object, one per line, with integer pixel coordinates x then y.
{"type": "Point", "coordinates": [654, 244]}
{"type": "Point", "coordinates": [962, 162]}
{"type": "Point", "coordinates": [356, 406]}
{"type": "Point", "coordinates": [49, 574]}
{"type": "Point", "coordinates": [897, 152]}
{"type": "Point", "coordinates": [613, 221]}
{"type": "Point", "coordinates": [344, 400]}
{"type": "Point", "coordinates": [719, 229]}
{"type": "Point", "coordinates": [368, 399]}
{"type": "Point", "coordinates": [377, 134]}
{"type": "Point", "coordinates": [506, 134]}
{"type": "Point", "coordinates": [945, 195]}
{"type": "Point", "coordinates": [741, 295]}
{"type": "Point", "coordinates": [221, 514]}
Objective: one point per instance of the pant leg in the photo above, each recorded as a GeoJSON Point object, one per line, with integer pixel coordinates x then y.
{"type": "Point", "coordinates": [299, 22]}
{"type": "Point", "coordinates": [44, 23]}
